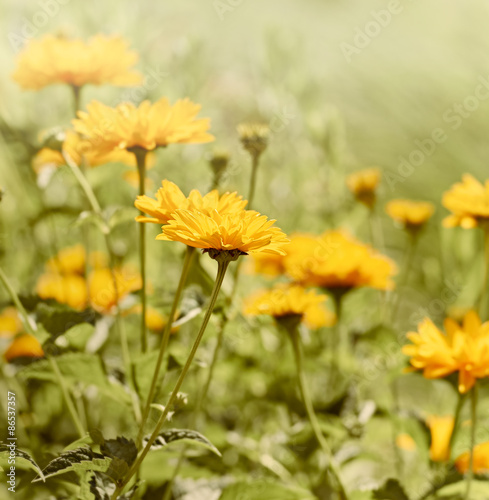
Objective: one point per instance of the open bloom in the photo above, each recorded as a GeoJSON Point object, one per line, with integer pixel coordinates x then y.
{"type": "Point", "coordinates": [24, 346]}
{"type": "Point", "coordinates": [170, 198]}
{"type": "Point", "coordinates": [464, 349]}
{"type": "Point", "coordinates": [469, 203]}
{"type": "Point", "coordinates": [70, 289]}
{"type": "Point", "coordinates": [481, 460]}
{"type": "Point", "coordinates": [337, 261]}
{"type": "Point", "coordinates": [441, 429]}
{"type": "Point", "coordinates": [291, 300]}
{"type": "Point", "coordinates": [68, 260]}
{"type": "Point", "coordinates": [147, 126]}
{"type": "Point", "coordinates": [412, 215]}
{"type": "Point", "coordinates": [52, 59]}
{"type": "Point", "coordinates": [363, 185]}
{"type": "Point", "coordinates": [244, 231]}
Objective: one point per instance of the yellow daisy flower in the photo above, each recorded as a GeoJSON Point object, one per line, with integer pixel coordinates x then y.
{"type": "Point", "coordinates": [10, 323]}
{"type": "Point", "coordinates": [70, 289]}
{"type": "Point", "coordinates": [147, 126]}
{"type": "Point", "coordinates": [441, 429]}
{"type": "Point", "coordinates": [52, 59]}
{"type": "Point", "coordinates": [337, 261]}
{"type": "Point", "coordinates": [69, 260]}
{"type": "Point", "coordinates": [170, 198]}
{"type": "Point", "coordinates": [469, 203]}
{"type": "Point", "coordinates": [291, 300]}
{"type": "Point", "coordinates": [464, 348]}
{"type": "Point", "coordinates": [481, 460]}
{"type": "Point", "coordinates": [239, 232]}
{"type": "Point", "coordinates": [24, 346]}
{"type": "Point", "coordinates": [412, 215]}
{"type": "Point", "coordinates": [363, 185]}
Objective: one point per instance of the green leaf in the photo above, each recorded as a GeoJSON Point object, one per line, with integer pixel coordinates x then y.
{"type": "Point", "coordinates": [103, 489]}
{"type": "Point", "coordinates": [182, 435]}
{"type": "Point", "coordinates": [121, 448]}
{"type": "Point", "coordinates": [391, 490]}
{"type": "Point", "coordinates": [263, 490]}
{"type": "Point", "coordinates": [78, 336]}
{"type": "Point", "coordinates": [21, 458]}
{"type": "Point", "coordinates": [59, 318]}
{"type": "Point", "coordinates": [78, 460]}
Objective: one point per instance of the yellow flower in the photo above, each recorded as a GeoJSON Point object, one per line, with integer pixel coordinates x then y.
{"type": "Point", "coordinates": [481, 460]}
{"type": "Point", "coordinates": [363, 185]}
{"type": "Point", "coordinates": [441, 429]}
{"type": "Point", "coordinates": [291, 300]}
{"type": "Point", "coordinates": [464, 348]}
{"type": "Point", "coordinates": [10, 323]}
{"type": "Point", "coordinates": [405, 442]}
{"type": "Point", "coordinates": [155, 320]}
{"type": "Point", "coordinates": [103, 294]}
{"type": "Point", "coordinates": [170, 198]}
{"type": "Point", "coordinates": [268, 264]}
{"type": "Point", "coordinates": [337, 261]}
{"type": "Point", "coordinates": [24, 346]}
{"type": "Point", "coordinates": [412, 215]}
{"type": "Point", "coordinates": [69, 260]}
{"type": "Point", "coordinates": [147, 127]}
{"type": "Point", "coordinates": [469, 203]}
{"type": "Point", "coordinates": [242, 231]}
{"type": "Point", "coordinates": [54, 59]}
{"type": "Point", "coordinates": [68, 289]}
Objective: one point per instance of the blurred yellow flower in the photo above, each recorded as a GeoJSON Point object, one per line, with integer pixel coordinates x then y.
{"type": "Point", "coordinates": [24, 346]}
{"type": "Point", "coordinates": [405, 442]}
{"type": "Point", "coordinates": [363, 185]}
{"type": "Point", "coordinates": [291, 300]}
{"type": "Point", "coordinates": [82, 152]}
{"type": "Point", "coordinates": [100, 60]}
{"type": "Point", "coordinates": [69, 289]}
{"type": "Point", "coordinates": [147, 127]}
{"type": "Point", "coordinates": [268, 264]}
{"type": "Point", "coordinates": [155, 320]}
{"type": "Point", "coordinates": [169, 198]}
{"type": "Point", "coordinates": [103, 294]}
{"type": "Point", "coordinates": [68, 260]}
{"type": "Point", "coordinates": [337, 261]}
{"type": "Point", "coordinates": [441, 429]}
{"type": "Point", "coordinates": [10, 323]}
{"type": "Point", "coordinates": [464, 348]}
{"type": "Point", "coordinates": [244, 231]}
{"type": "Point", "coordinates": [469, 203]}
{"type": "Point", "coordinates": [481, 460]}
{"type": "Point", "coordinates": [412, 215]}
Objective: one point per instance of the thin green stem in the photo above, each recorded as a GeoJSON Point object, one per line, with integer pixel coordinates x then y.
{"type": "Point", "coordinates": [141, 155]}
{"type": "Point", "coordinates": [76, 98]}
{"type": "Point", "coordinates": [306, 397]}
{"type": "Point", "coordinates": [66, 395]}
{"type": "Point", "coordinates": [408, 261]}
{"type": "Point", "coordinates": [251, 191]}
{"type": "Point", "coordinates": [221, 271]}
{"type": "Point", "coordinates": [485, 283]}
{"type": "Point", "coordinates": [189, 255]}
{"type": "Point", "coordinates": [473, 409]}
{"type": "Point", "coordinates": [456, 422]}
{"type": "Point", "coordinates": [32, 329]}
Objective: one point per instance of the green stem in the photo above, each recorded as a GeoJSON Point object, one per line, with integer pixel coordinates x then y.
{"type": "Point", "coordinates": [32, 329]}
{"type": "Point", "coordinates": [456, 422]}
{"type": "Point", "coordinates": [473, 407]}
{"type": "Point", "coordinates": [66, 395]}
{"type": "Point", "coordinates": [408, 260]}
{"type": "Point", "coordinates": [485, 283]}
{"type": "Point", "coordinates": [306, 397]}
{"type": "Point", "coordinates": [251, 191]}
{"type": "Point", "coordinates": [221, 271]}
{"type": "Point", "coordinates": [189, 255]}
{"type": "Point", "coordinates": [76, 98]}
{"type": "Point", "coordinates": [141, 155]}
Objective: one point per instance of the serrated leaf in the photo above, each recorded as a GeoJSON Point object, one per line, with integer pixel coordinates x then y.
{"type": "Point", "coordinates": [391, 490]}
{"type": "Point", "coordinates": [182, 435]}
{"type": "Point", "coordinates": [263, 490]}
{"type": "Point", "coordinates": [21, 456]}
{"type": "Point", "coordinates": [103, 489]}
{"type": "Point", "coordinates": [121, 448]}
{"type": "Point", "coordinates": [78, 460]}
